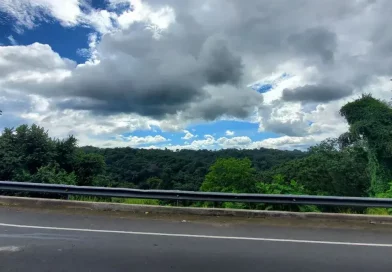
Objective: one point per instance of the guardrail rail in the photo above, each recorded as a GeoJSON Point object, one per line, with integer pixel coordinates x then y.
{"type": "Point", "coordinates": [195, 196]}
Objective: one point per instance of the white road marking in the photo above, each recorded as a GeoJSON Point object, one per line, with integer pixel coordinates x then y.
{"type": "Point", "coordinates": [10, 249]}
{"type": "Point", "coordinates": [198, 236]}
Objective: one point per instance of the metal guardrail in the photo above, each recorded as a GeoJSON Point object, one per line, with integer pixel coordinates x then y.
{"type": "Point", "coordinates": [195, 196]}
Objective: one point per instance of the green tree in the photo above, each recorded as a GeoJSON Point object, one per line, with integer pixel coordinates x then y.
{"type": "Point", "coordinates": [87, 167]}
{"type": "Point", "coordinates": [154, 183]}
{"type": "Point", "coordinates": [179, 170]}
{"type": "Point", "coordinates": [10, 159]}
{"type": "Point", "coordinates": [370, 121]}
{"type": "Point", "coordinates": [34, 146]}
{"type": "Point", "coordinates": [24, 149]}
{"type": "Point", "coordinates": [327, 170]}
{"type": "Point", "coordinates": [230, 175]}
{"type": "Point", "coordinates": [53, 174]}
{"type": "Point", "coordinates": [65, 153]}
{"type": "Point", "coordinates": [281, 186]}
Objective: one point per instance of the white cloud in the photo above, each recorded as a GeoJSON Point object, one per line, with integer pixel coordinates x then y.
{"type": "Point", "coordinates": [12, 40]}
{"type": "Point", "coordinates": [229, 133]}
{"type": "Point", "coordinates": [100, 20]}
{"type": "Point", "coordinates": [159, 19]}
{"type": "Point", "coordinates": [244, 142]}
{"type": "Point", "coordinates": [187, 135]}
{"type": "Point", "coordinates": [69, 13]}
{"type": "Point", "coordinates": [207, 143]}
{"type": "Point", "coordinates": [135, 140]}
{"type": "Point", "coordinates": [287, 142]}
{"type": "Point", "coordinates": [235, 142]}
{"type": "Point", "coordinates": [146, 142]}
{"type": "Point", "coordinates": [27, 13]}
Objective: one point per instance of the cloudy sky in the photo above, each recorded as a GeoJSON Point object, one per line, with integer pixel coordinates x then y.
{"type": "Point", "coordinates": [191, 74]}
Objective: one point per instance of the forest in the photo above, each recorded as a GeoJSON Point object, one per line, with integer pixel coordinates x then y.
{"type": "Point", "coordinates": [357, 163]}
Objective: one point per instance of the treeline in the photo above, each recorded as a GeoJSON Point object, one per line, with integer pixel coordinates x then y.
{"type": "Point", "coordinates": [27, 153]}
{"type": "Point", "coordinates": [178, 170]}
{"type": "Point", "coordinates": [358, 163]}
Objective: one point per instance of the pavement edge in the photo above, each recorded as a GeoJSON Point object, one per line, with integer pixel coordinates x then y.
{"type": "Point", "coordinates": [163, 210]}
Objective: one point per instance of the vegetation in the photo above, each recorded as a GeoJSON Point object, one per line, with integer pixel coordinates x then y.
{"type": "Point", "coordinates": [357, 163]}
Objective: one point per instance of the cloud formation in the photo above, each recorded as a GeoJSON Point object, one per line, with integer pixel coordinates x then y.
{"type": "Point", "coordinates": [173, 63]}
{"type": "Point", "coordinates": [317, 93]}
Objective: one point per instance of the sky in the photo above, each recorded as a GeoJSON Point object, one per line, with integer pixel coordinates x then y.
{"type": "Point", "coordinates": [192, 74]}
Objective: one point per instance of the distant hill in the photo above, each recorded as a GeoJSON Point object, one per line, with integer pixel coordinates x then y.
{"type": "Point", "coordinates": [183, 169]}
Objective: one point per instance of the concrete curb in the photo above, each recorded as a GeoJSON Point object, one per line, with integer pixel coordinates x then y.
{"type": "Point", "coordinates": [162, 210]}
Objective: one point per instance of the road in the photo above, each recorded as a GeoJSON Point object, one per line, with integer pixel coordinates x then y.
{"type": "Point", "coordinates": [60, 240]}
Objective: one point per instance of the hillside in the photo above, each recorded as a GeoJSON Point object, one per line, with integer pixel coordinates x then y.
{"type": "Point", "coordinates": [183, 169]}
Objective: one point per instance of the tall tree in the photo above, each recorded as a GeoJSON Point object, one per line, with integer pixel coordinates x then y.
{"type": "Point", "coordinates": [10, 158]}
{"type": "Point", "coordinates": [65, 153]}
{"type": "Point", "coordinates": [34, 146]}
{"type": "Point", "coordinates": [370, 121]}
{"type": "Point", "coordinates": [24, 149]}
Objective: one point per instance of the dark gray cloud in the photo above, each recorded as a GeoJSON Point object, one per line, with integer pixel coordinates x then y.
{"type": "Point", "coordinates": [225, 100]}
{"type": "Point", "coordinates": [297, 128]}
{"type": "Point", "coordinates": [317, 93]}
{"type": "Point", "coordinates": [151, 77]}
{"type": "Point", "coordinates": [220, 65]}
{"type": "Point", "coordinates": [319, 42]}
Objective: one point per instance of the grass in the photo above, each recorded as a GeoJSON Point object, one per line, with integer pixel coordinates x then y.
{"type": "Point", "coordinates": [135, 201]}
{"type": "Point", "coordinates": [89, 198]}
{"type": "Point", "coordinates": [205, 204]}
{"type": "Point", "coordinates": [377, 211]}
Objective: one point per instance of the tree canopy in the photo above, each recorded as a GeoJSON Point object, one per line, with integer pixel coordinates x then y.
{"type": "Point", "coordinates": [370, 121]}
{"type": "Point", "coordinates": [230, 175]}
{"type": "Point", "coordinates": [27, 153]}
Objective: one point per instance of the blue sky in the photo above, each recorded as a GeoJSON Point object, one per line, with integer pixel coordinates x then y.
{"type": "Point", "coordinates": [146, 73]}
{"type": "Point", "coordinates": [65, 41]}
{"type": "Point", "coordinates": [218, 129]}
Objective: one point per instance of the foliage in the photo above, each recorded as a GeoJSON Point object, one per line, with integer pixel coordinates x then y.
{"type": "Point", "coordinates": [371, 121]}
{"type": "Point", "coordinates": [377, 211]}
{"type": "Point", "coordinates": [66, 153]}
{"type": "Point", "coordinates": [87, 166]}
{"type": "Point", "coordinates": [54, 175]}
{"type": "Point", "coordinates": [327, 170]}
{"type": "Point", "coordinates": [279, 185]}
{"type": "Point", "coordinates": [154, 183]}
{"type": "Point", "coordinates": [231, 176]}
{"type": "Point", "coordinates": [178, 170]}
{"type": "Point", "coordinates": [9, 155]}
{"type": "Point", "coordinates": [387, 193]}
{"type": "Point", "coordinates": [282, 186]}
{"type": "Point", "coordinates": [27, 153]}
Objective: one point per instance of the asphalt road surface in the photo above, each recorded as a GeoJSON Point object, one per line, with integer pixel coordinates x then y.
{"type": "Point", "coordinates": [60, 240]}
